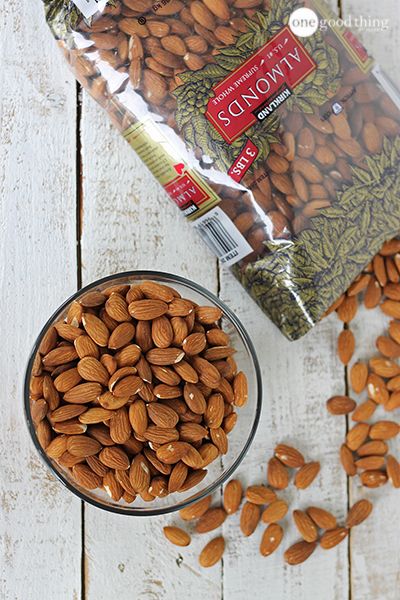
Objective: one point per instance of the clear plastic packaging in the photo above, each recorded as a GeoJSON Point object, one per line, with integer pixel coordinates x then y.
{"type": "Point", "coordinates": [283, 152]}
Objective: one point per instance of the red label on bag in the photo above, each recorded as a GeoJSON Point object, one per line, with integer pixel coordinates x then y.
{"type": "Point", "coordinates": [243, 162]}
{"type": "Point", "coordinates": [356, 45]}
{"type": "Point", "coordinates": [186, 193]}
{"type": "Point", "coordinates": [259, 86]}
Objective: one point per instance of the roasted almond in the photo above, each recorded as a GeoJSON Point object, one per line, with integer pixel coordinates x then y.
{"type": "Point", "coordinates": [392, 468]}
{"type": "Point", "coordinates": [358, 513]}
{"type": "Point", "coordinates": [333, 537]}
{"type": "Point", "coordinates": [271, 539]}
{"type": "Point", "coordinates": [357, 435]}
{"type": "Point", "coordinates": [289, 456]}
{"type": "Point", "coordinates": [233, 493]}
{"type": "Point", "coordinates": [340, 405]}
{"type": "Point", "coordinates": [148, 309]}
{"type": "Point", "coordinates": [210, 520]}
{"type": "Point", "coordinates": [275, 511]}
{"type": "Point", "coordinates": [306, 475]}
{"type": "Point", "coordinates": [114, 458]}
{"type": "Point", "coordinates": [299, 552]}
{"type": "Point", "coordinates": [305, 526]}
{"type": "Point", "coordinates": [212, 552]}
{"type": "Point", "coordinates": [195, 510]}
{"type": "Point", "coordinates": [373, 479]}
{"type": "Point", "coordinates": [177, 536]}
{"type": "Point", "coordinates": [259, 494]}
{"type": "Point", "coordinates": [322, 518]}
{"type": "Point", "coordinates": [249, 518]}
{"type": "Point", "coordinates": [277, 474]}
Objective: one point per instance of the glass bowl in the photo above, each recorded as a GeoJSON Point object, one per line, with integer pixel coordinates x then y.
{"type": "Point", "coordinates": [239, 438]}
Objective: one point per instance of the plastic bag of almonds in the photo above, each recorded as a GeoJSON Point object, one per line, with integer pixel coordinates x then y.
{"type": "Point", "coordinates": [282, 151]}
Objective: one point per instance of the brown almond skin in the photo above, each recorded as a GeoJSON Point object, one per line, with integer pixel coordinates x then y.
{"type": "Point", "coordinates": [393, 470]}
{"type": "Point", "coordinates": [212, 552]}
{"type": "Point", "coordinates": [177, 536]}
{"type": "Point", "coordinates": [340, 405]}
{"type": "Point", "coordinates": [275, 511]}
{"type": "Point", "coordinates": [277, 474]}
{"type": "Point", "coordinates": [196, 510]}
{"type": "Point", "coordinates": [233, 494]}
{"type": "Point", "coordinates": [289, 456]}
{"type": "Point", "coordinates": [347, 460]}
{"type": "Point", "coordinates": [210, 520]}
{"type": "Point", "coordinates": [299, 552]}
{"type": "Point", "coordinates": [259, 494]}
{"type": "Point", "coordinates": [305, 526]}
{"type": "Point", "coordinates": [333, 537]}
{"type": "Point", "coordinates": [306, 475]}
{"type": "Point", "coordinates": [322, 518]}
{"type": "Point", "coordinates": [271, 539]}
{"type": "Point", "coordinates": [249, 518]}
{"type": "Point", "coordinates": [358, 513]}
{"type": "Point", "coordinates": [373, 479]}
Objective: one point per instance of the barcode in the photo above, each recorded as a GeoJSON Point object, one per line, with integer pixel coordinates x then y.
{"type": "Point", "coordinates": [222, 237]}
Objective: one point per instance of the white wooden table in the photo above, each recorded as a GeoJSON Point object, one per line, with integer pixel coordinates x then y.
{"type": "Point", "coordinates": [76, 205]}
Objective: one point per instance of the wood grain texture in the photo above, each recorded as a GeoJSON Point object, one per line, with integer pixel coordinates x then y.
{"type": "Point", "coordinates": [297, 379]}
{"type": "Point", "coordinates": [128, 222]}
{"type": "Point", "coordinates": [375, 555]}
{"type": "Point", "coordinates": [40, 526]}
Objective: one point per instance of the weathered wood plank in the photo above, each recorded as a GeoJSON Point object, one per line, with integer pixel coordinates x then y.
{"type": "Point", "coordinates": [129, 223]}
{"type": "Point", "coordinates": [40, 524]}
{"type": "Point", "coordinates": [375, 546]}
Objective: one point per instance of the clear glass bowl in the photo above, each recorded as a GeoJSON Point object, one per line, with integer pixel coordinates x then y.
{"type": "Point", "coordinates": [240, 437]}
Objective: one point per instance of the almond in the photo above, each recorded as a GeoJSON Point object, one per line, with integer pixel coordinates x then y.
{"type": "Point", "coordinates": [377, 447]}
{"type": "Point", "coordinates": [299, 552]}
{"type": "Point", "coordinates": [333, 537]}
{"type": "Point", "coordinates": [373, 479]}
{"type": "Point", "coordinates": [289, 456]}
{"type": "Point", "coordinates": [392, 468]}
{"type": "Point", "coordinates": [384, 430]}
{"type": "Point", "coordinates": [370, 462]}
{"type": "Point", "coordinates": [214, 413]}
{"type": "Point", "coordinates": [165, 356]}
{"type": "Point", "coordinates": [178, 477]}
{"type": "Point", "coordinates": [57, 446]}
{"type": "Point", "coordinates": [347, 460]}
{"type": "Point", "coordinates": [120, 427]}
{"type": "Point", "coordinates": [121, 336]}
{"type": "Point", "coordinates": [177, 536]}
{"type": "Point", "coordinates": [82, 445]}
{"type": "Point", "coordinates": [305, 526]}
{"type": "Point", "coordinates": [259, 494]}
{"type": "Point", "coordinates": [357, 435]}
{"type": "Point", "coordinates": [376, 389]}
{"type": "Point", "coordinates": [195, 510]}
{"type": "Point", "coordinates": [117, 308]}
{"type": "Point", "coordinates": [210, 520]}
{"type": "Point", "coordinates": [162, 332]}
{"type": "Point", "coordinates": [148, 309]}
{"type": "Point", "coordinates": [249, 518]}
{"type": "Point", "coordinates": [115, 458]}
{"type": "Point", "coordinates": [306, 475]}
{"type": "Point", "coordinates": [172, 452]}
{"type": "Point", "coordinates": [212, 552]}
{"type": "Point", "coordinates": [85, 477]}
{"type": "Point", "coordinates": [138, 416]}
{"type": "Point", "coordinates": [233, 493]}
{"type": "Point", "coordinates": [277, 474]}
{"type": "Point", "coordinates": [208, 374]}
{"type": "Point", "coordinates": [91, 369]}
{"type": "Point", "coordinates": [96, 329]}
{"type": "Point", "coordinates": [364, 411]}
{"type": "Point", "coordinates": [219, 439]}
{"type": "Point", "coordinates": [384, 367]}
{"type": "Point", "coordinates": [358, 513]}
{"type": "Point", "coordinates": [83, 393]}
{"type": "Point", "coordinates": [95, 415]}
{"type": "Point", "coordinates": [346, 346]}
{"type": "Point", "coordinates": [271, 539]}
{"type": "Point", "coordinates": [275, 511]}
{"type": "Point", "coordinates": [240, 389]}
{"type": "Point", "coordinates": [66, 412]}
{"type": "Point", "coordinates": [60, 356]}
{"type": "Point", "coordinates": [162, 415]}
{"type": "Point", "coordinates": [139, 474]}
{"type": "Point", "coordinates": [322, 518]}
{"type": "Point", "coordinates": [340, 405]}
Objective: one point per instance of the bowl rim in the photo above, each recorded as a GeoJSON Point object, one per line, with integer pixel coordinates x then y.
{"type": "Point", "coordinates": [132, 511]}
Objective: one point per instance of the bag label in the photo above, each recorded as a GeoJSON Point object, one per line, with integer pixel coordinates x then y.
{"type": "Point", "coordinates": [256, 88]}
{"type": "Point", "coordinates": [223, 237]}
{"type": "Point", "coordinates": [89, 7]}
{"type": "Point", "coordinates": [184, 185]}
{"type": "Point", "coordinates": [243, 162]}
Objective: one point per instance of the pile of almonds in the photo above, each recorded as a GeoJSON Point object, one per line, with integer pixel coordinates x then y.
{"type": "Point", "coordinates": [261, 503]}
{"type": "Point", "coordinates": [366, 449]}
{"type": "Point", "coordinates": [135, 391]}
